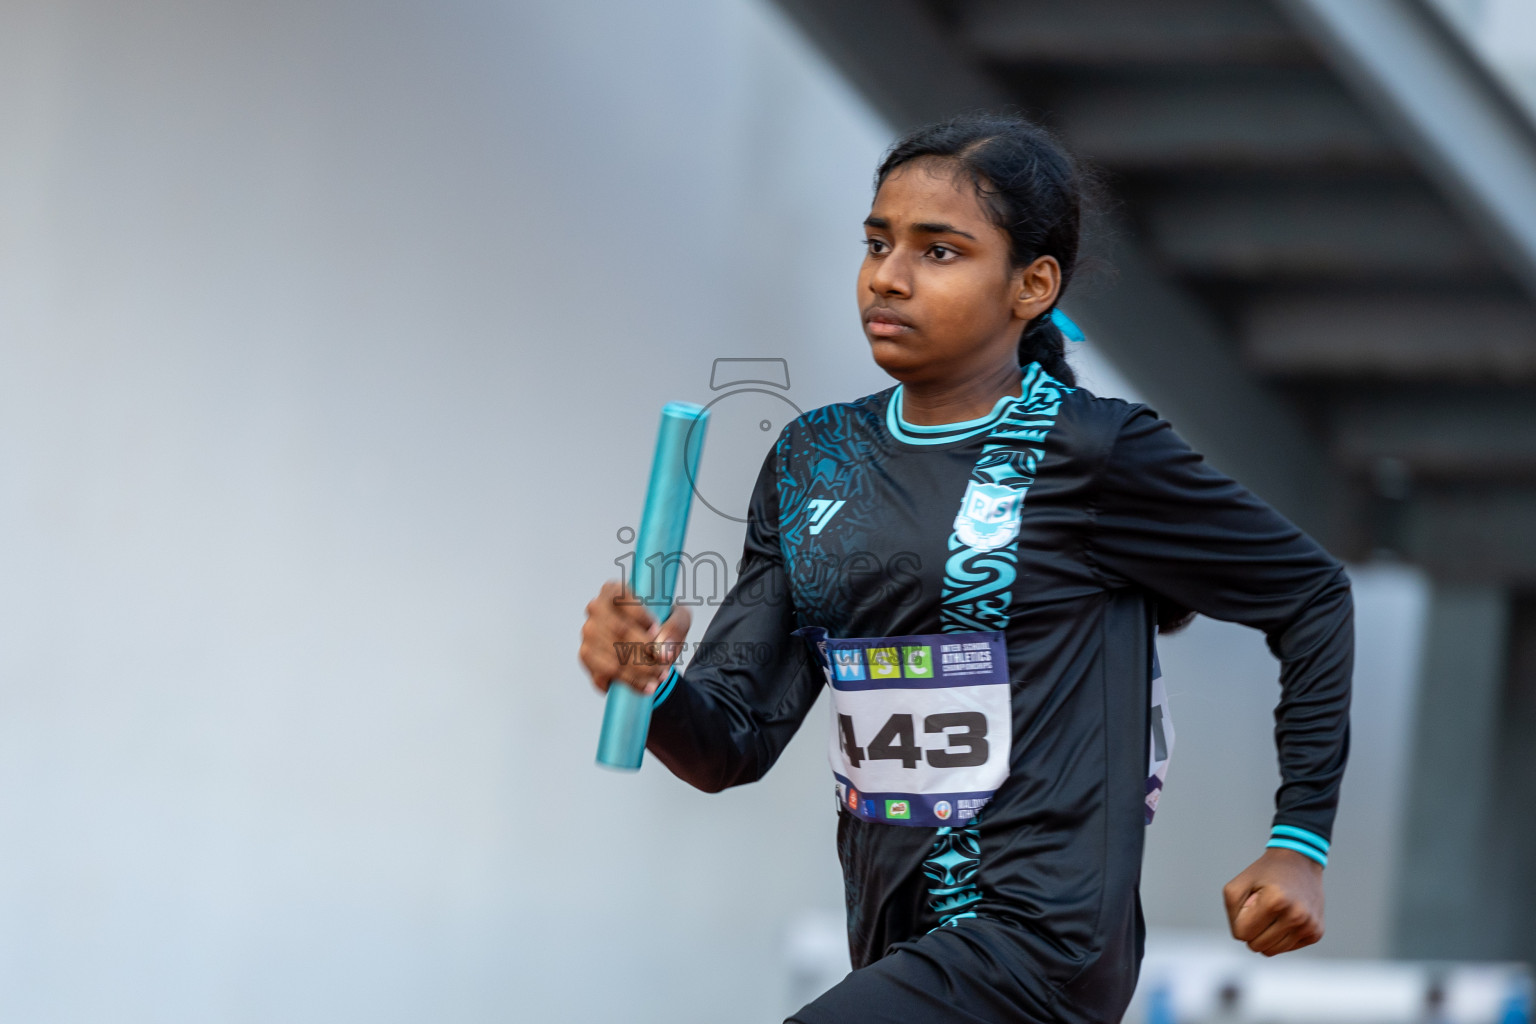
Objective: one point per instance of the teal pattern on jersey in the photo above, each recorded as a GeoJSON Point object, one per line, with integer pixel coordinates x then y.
{"type": "Point", "coordinates": [978, 582]}
{"type": "Point", "coordinates": [977, 595]}
{"type": "Point", "coordinates": [951, 869]}
{"type": "Point", "coordinates": [835, 462]}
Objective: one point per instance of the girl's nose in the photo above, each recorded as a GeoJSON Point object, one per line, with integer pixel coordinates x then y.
{"type": "Point", "coordinates": [891, 276]}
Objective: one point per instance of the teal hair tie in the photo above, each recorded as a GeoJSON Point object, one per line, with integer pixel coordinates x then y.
{"type": "Point", "coordinates": [1064, 324]}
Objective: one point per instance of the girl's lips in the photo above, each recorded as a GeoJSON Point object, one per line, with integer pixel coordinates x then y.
{"type": "Point", "coordinates": [885, 323]}
{"type": "Point", "coordinates": [885, 328]}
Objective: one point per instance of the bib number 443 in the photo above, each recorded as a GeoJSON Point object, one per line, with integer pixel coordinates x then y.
{"type": "Point", "coordinates": [897, 741]}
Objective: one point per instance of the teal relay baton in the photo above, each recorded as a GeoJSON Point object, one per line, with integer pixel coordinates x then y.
{"type": "Point", "coordinates": [653, 575]}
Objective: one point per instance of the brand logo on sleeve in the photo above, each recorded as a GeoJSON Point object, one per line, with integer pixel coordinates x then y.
{"type": "Point", "coordinates": [898, 809]}
{"type": "Point", "coordinates": [989, 516]}
{"type": "Point", "coordinates": [822, 511]}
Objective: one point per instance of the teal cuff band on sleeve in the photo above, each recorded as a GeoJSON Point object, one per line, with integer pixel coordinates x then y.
{"type": "Point", "coordinates": [1301, 848]}
{"type": "Point", "coordinates": [1292, 832]}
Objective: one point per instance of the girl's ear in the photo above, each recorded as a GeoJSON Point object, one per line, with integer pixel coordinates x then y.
{"type": "Point", "coordinates": [1037, 287]}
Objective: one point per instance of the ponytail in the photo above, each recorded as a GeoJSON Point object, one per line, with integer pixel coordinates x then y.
{"type": "Point", "coordinates": [1042, 342]}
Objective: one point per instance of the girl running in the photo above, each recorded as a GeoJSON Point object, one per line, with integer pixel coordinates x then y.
{"type": "Point", "coordinates": [975, 562]}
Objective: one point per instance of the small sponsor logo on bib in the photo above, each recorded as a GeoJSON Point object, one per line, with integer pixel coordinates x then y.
{"type": "Point", "coordinates": [917, 662]}
{"type": "Point", "coordinates": [849, 664]}
{"type": "Point", "coordinates": [883, 663]}
{"type": "Point", "coordinates": [898, 809]}
{"type": "Point", "coordinates": [942, 810]}
{"type": "Point", "coordinates": [989, 516]}
{"type": "Point", "coordinates": [853, 799]}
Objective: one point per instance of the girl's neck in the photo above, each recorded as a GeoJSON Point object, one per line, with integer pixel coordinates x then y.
{"type": "Point", "coordinates": [933, 403]}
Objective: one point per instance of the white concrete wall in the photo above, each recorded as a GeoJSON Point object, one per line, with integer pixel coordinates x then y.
{"type": "Point", "coordinates": [332, 338]}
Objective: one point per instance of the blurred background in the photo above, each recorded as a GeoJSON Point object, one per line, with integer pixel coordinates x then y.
{"type": "Point", "coordinates": [332, 339]}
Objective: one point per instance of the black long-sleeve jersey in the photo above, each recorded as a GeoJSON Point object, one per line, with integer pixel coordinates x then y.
{"type": "Point", "coordinates": [1049, 529]}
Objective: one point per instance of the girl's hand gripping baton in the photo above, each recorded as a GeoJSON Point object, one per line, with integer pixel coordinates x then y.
{"type": "Point", "coordinates": [653, 576]}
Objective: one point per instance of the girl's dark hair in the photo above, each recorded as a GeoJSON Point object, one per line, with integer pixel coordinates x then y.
{"type": "Point", "coordinates": [1031, 188]}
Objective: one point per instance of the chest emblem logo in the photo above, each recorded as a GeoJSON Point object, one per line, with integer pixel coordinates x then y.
{"type": "Point", "coordinates": [822, 511]}
{"type": "Point", "coordinates": [989, 516]}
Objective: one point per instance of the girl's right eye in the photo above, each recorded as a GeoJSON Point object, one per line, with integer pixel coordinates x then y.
{"type": "Point", "coordinates": [876, 246]}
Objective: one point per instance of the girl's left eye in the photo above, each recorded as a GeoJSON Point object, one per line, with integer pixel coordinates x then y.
{"type": "Point", "coordinates": [942, 252]}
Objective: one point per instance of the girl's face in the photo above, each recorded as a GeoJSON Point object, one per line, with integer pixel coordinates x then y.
{"type": "Point", "coordinates": [940, 297]}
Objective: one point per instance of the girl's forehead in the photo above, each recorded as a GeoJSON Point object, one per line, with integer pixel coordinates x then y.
{"type": "Point", "coordinates": [924, 189]}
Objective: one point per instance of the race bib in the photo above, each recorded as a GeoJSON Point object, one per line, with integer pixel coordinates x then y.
{"type": "Point", "coordinates": [922, 726]}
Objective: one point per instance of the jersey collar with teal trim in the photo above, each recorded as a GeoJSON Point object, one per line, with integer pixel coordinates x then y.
{"type": "Point", "coordinates": [944, 433]}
